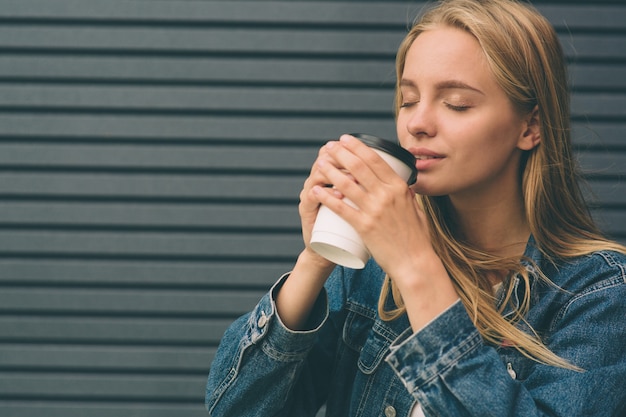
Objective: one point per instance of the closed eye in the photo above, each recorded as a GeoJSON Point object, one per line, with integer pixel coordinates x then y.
{"type": "Point", "coordinates": [458, 108]}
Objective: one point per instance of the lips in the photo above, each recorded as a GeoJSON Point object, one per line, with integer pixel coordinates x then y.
{"type": "Point", "coordinates": [425, 159]}
{"type": "Point", "coordinates": [422, 154]}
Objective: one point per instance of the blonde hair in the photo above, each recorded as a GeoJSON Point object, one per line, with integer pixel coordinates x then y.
{"type": "Point", "coordinates": [526, 58]}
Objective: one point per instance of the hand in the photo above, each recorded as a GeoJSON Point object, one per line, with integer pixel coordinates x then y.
{"type": "Point", "coordinates": [390, 221]}
{"type": "Point", "coordinates": [387, 215]}
{"type": "Point", "coordinates": [310, 204]}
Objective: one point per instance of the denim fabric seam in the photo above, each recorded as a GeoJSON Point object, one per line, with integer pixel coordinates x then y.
{"type": "Point", "coordinates": [378, 326]}
{"type": "Point", "coordinates": [469, 341]}
{"type": "Point", "coordinates": [610, 259]}
{"type": "Point", "coordinates": [604, 285]}
{"type": "Point", "coordinates": [386, 332]}
{"type": "Point", "coordinates": [375, 362]}
{"type": "Point", "coordinates": [358, 308]}
{"type": "Point", "coordinates": [454, 355]}
{"type": "Point", "coordinates": [233, 371]}
{"type": "Point", "coordinates": [267, 333]}
{"type": "Point", "coordinates": [346, 334]}
{"type": "Point", "coordinates": [282, 356]}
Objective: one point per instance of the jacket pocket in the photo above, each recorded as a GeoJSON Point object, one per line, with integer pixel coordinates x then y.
{"type": "Point", "coordinates": [367, 336]}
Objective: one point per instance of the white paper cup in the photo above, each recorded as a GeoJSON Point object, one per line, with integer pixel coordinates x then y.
{"type": "Point", "coordinates": [332, 236]}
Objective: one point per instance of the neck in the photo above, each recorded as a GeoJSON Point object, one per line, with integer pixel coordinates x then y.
{"type": "Point", "coordinates": [497, 225]}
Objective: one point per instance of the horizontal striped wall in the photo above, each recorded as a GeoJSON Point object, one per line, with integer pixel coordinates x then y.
{"type": "Point", "coordinates": [151, 156]}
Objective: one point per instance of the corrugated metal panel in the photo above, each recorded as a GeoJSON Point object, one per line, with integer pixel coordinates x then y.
{"type": "Point", "coordinates": [151, 156]}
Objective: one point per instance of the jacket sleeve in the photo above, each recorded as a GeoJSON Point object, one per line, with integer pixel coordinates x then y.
{"type": "Point", "coordinates": [450, 371]}
{"type": "Point", "coordinates": [261, 367]}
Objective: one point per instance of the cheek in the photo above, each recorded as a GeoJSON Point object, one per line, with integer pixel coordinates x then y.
{"type": "Point", "coordinates": [491, 135]}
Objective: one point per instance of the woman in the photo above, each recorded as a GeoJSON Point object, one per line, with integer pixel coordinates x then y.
{"type": "Point", "coordinates": [490, 291]}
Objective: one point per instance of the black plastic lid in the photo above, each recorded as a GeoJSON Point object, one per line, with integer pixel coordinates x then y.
{"type": "Point", "coordinates": [392, 149]}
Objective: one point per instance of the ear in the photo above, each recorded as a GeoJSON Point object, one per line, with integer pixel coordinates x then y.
{"type": "Point", "coordinates": [531, 136]}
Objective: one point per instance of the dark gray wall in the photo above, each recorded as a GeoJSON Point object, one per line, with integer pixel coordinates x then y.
{"type": "Point", "coordinates": [151, 155]}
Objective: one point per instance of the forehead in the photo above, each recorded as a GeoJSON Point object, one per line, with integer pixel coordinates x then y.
{"type": "Point", "coordinates": [446, 52]}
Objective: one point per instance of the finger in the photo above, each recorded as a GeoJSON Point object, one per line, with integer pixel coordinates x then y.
{"type": "Point", "coordinates": [334, 200]}
{"type": "Point", "coordinates": [340, 179]}
{"type": "Point", "coordinates": [358, 159]}
{"type": "Point", "coordinates": [308, 199]}
{"type": "Point", "coordinates": [378, 168]}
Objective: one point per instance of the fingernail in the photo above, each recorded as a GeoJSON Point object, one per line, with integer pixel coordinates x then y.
{"type": "Point", "coordinates": [345, 138]}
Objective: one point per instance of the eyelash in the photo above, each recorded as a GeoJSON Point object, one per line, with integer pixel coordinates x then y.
{"type": "Point", "coordinates": [461, 108]}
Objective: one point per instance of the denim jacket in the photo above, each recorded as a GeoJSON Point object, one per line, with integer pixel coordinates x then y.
{"type": "Point", "coordinates": [362, 366]}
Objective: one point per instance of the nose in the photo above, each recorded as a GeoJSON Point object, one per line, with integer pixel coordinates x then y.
{"type": "Point", "coordinates": [421, 120]}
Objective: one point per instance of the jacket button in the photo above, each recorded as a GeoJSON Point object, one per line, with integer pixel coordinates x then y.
{"type": "Point", "coordinates": [262, 320]}
{"type": "Point", "coordinates": [510, 370]}
{"type": "Point", "coordinates": [390, 411]}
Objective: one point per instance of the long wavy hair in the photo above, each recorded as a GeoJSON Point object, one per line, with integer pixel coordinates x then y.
{"type": "Point", "coordinates": [527, 60]}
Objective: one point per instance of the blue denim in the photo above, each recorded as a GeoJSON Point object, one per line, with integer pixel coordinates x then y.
{"type": "Point", "coordinates": [362, 366]}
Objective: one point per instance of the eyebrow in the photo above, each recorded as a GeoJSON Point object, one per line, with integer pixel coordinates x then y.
{"type": "Point", "coordinates": [444, 85]}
